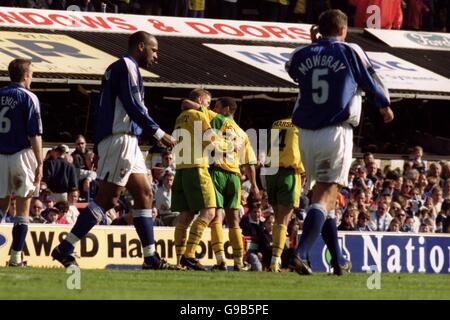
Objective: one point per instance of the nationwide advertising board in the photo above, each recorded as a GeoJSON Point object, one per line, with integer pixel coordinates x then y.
{"type": "Point", "coordinates": [396, 73]}
{"type": "Point", "coordinates": [119, 247]}
{"type": "Point", "coordinates": [55, 53]}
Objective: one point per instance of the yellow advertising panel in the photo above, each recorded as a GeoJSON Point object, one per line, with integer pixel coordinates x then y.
{"type": "Point", "coordinates": [55, 53]}
{"type": "Point", "coordinates": [104, 247]}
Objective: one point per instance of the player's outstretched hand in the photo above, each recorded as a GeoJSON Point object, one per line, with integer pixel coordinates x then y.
{"type": "Point", "coordinates": [387, 114]}
{"type": "Point", "coordinates": [168, 141]}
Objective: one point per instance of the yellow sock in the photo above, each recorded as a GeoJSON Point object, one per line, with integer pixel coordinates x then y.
{"type": "Point", "coordinates": [235, 236]}
{"type": "Point", "coordinates": [195, 234]}
{"type": "Point", "coordinates": [279, 239]}
{"type": "Point", "coordinates": [180, 241]}
{"type": "Point", "coordinates": [217, 241]}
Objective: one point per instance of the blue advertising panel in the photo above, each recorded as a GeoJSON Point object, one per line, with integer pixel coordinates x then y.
{"type": "Point", "coordinates": [388, 252]}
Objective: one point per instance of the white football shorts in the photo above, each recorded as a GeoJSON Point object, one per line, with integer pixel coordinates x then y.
{"type": "Point", "coordinates": [17, 174]}
{"type": "Point", "coordinates": [327, 154]}
{"type": "Point", "coordinates": [119, 157]}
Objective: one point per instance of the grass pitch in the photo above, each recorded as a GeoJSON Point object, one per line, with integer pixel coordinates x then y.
{"type": "Point", "coordinates": [33, 283]}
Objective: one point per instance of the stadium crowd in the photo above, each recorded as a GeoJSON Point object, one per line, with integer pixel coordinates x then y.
{"type": "Point", "coordinates": [428, 15]}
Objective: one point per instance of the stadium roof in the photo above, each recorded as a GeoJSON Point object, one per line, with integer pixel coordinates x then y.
{"type": "Point", "coordinates": [184, 62]}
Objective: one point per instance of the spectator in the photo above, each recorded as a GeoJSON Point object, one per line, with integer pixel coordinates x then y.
{"type": "Point", "coordinates": [87, 6]}
{"type": "Point", "coordinates": [394, 225]}
{"type": "Point", "coordinates": [60, 175]}
{"type": "Point", "coordinates": [79, 154]}
{"type": "Point", "coordinates": [63, 208]}
{"type": "Point", "coordinates": [435, 172]}
{"type": "Point", "coordinates": [167, 160]}
{"type": "Point", "coordinates": [253, 227]}
{"type": "Point", "coordinates": [424, 228]}
{"type": "Point", "coordinates": [348, 220]}
{"type": "Point", "coordinates": [52, 215]}
{"type": "Point", "coordinates": [363, 221]}
{"type": "Point", "coordinates": [373, 173]}
{"type": "Point", "coordinates": [72, 213]}
{"type": "Point", "coordinates": [361, 180]}
{"type": "Point", "coordinates": [414, 12]}
{"type": "Point", "coordinates": [266, 208]}
{"type": "Point", "coordinates": [380, 219]}
{"type": "Point", "coordinates": [436, 197]}
{"type": "Point", "coordinates": [163, 199]}
{"type": "Point", "coordinates": [156, 220]}
{"type": "Point", "coordinates": [35, 211]}
{"type": "Point", "coordinates": [196, 8]}
{"type": "Point", "coordinates": [443, 215]}
{"type": "Point", "coordinates": [49, 202]}
{"type": "Point", "coordinates": [418, 162]}
{"type": "Point", "coordinates": [390, 11]}
{"type": "Point", "coordinates": [409, 225]}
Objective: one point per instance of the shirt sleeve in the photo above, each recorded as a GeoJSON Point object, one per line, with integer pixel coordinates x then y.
{"type": "Point", "coordinates": [131, 99]}
{"type": "Point", "coordinates": [367, 78]}
{"type": "Point", "coordinates": [34, 126]}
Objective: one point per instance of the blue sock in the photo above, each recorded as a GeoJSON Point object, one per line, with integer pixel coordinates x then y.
{"type": "Point", "coordinates": [19, 233]}
{"type": "Point", "coordinates": [143, 223]}
{"type": "Point", "coordinates": [329, 235]}
{"type": "Point", "coordinates": [311, 229]}
{"type": "Point", "coordinates": [85, 222]}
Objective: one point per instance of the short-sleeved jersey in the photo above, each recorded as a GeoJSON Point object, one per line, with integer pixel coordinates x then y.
{"type": "Point", "coordinates": [231, 133]}
{"type": "Point", "coordinates": [287, 144]}
{"type": "Point", "coordinates": [20, 118]}
{"type": "Point", "coordinates": [192, 124]}
{"type": "Point", "coordinates": [331, 76]}
{"type": "Point", "coordinates": [121, 109]}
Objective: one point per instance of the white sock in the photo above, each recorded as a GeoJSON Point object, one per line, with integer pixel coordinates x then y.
{"type": "Point", "coordinates": [16, 257]}
{"type": "Point", "coordinates": [149, 250]}
{"type": "Point", "coordinates": [220, 257]}
{"type": "Point", "coordinates": [72, 239]}
{"type": "Point", "coordinates": [275, 260]}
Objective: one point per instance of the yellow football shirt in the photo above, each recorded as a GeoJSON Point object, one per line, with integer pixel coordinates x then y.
{"type": "Point", "coordinates": [233, 135]}
{"type": "Point", "coordinates": [287, 144]}
{"type": "Point", "coordinates": [193, 133]}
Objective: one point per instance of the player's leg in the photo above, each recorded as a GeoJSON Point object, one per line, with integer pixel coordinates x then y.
{"type": "Point", "coordinates": [139, 187]}
{"type": "Point", "coordinates": [329, 229]}
{"type": "Point", "coordinates": [117, 157]}
{"type": "Point", "coordinates": [179, 204]}
{"type": "Point", "coordinates": [202, 197]}
{"type": "Point", "coordinates": [195, 234]}
{"type": "Point", "coordinates": [18, 176]}
{"type": "Point", "coordinates": [217, 240]}
{"type": "Point", "coordinates": [232, 203]}
{"type": "Point", "coordinates": [330, 147]}
{"type": "Point", "coordinates": [184, 220]}
{"type": "Point", "coordinates": [219, 179]}
{"type": "Point", "coordinates": [19, 231]}
{"type": "Point", "coordinates": [94, 213]}
{"type": "Point", "coordinates": [287, 197]}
